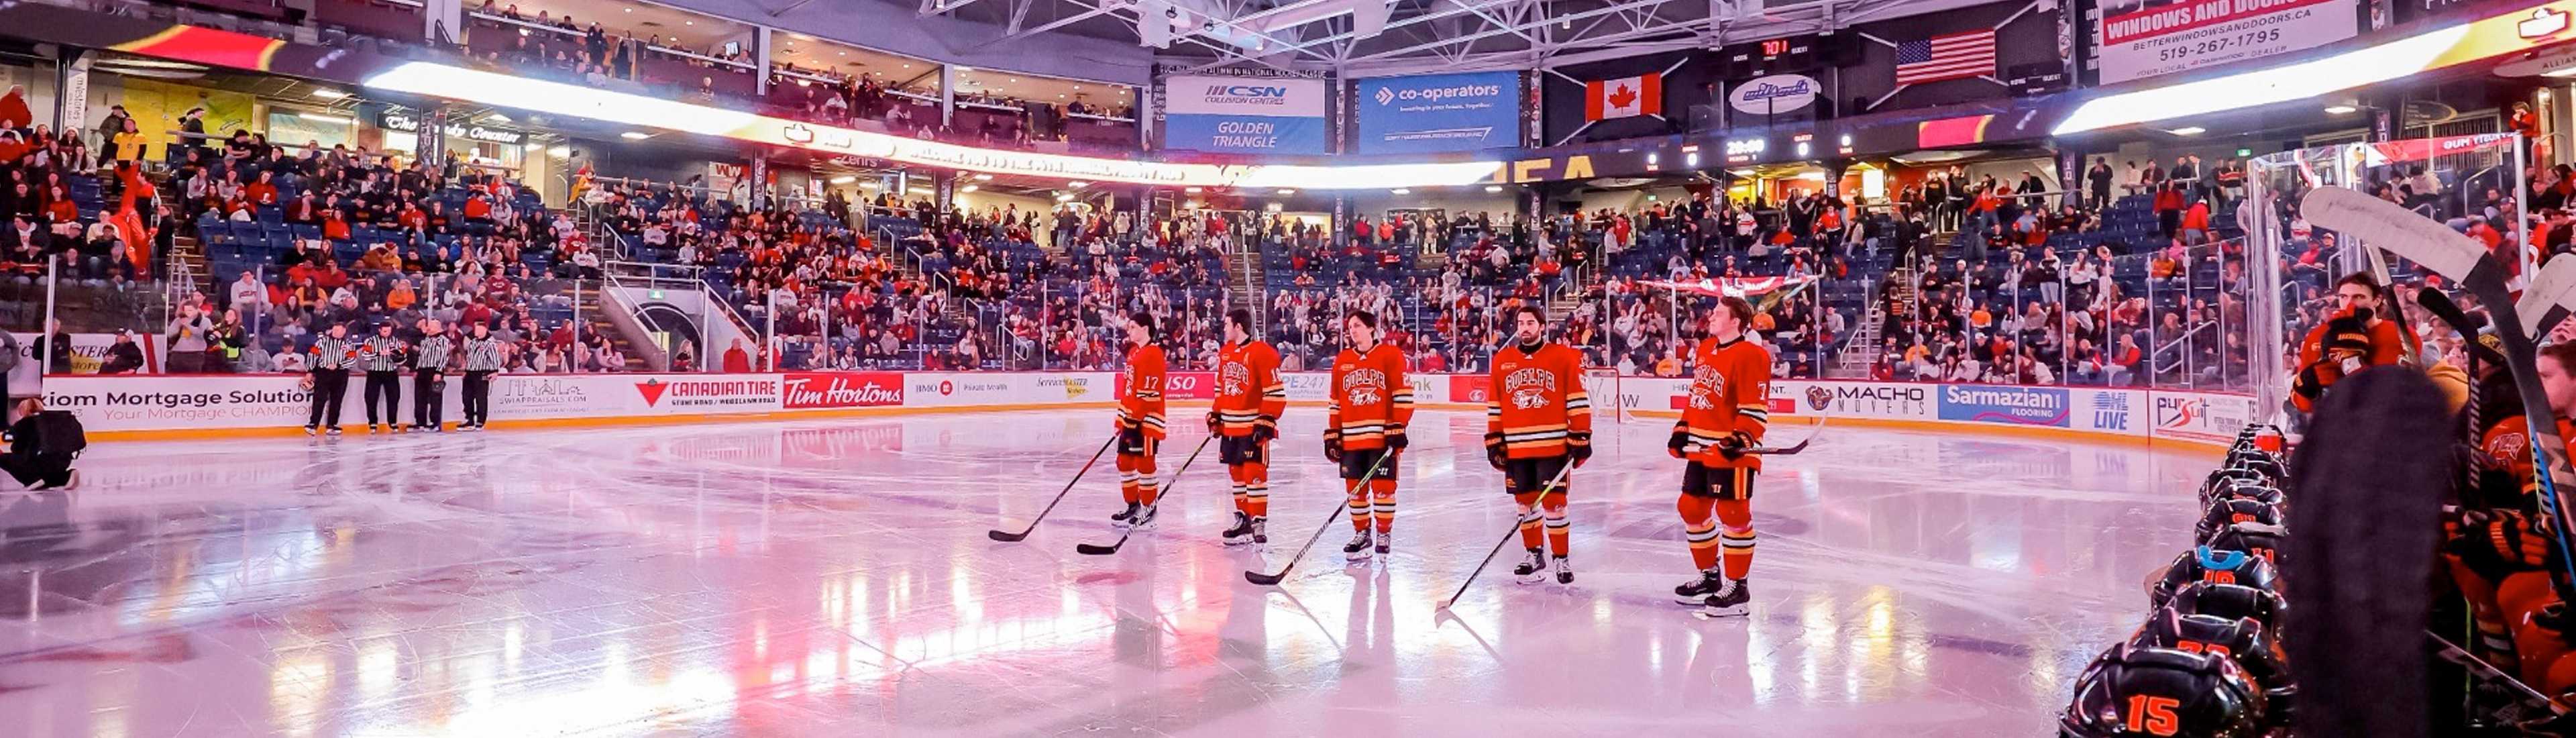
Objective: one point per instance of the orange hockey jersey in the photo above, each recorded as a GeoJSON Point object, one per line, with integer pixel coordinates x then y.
{"type": "Point", "coordinates": [1369, 397]}
{"type": "Point", "coordinates": [1249, 392]}
{"type": "Point", "coordinates": [1142, 401]}
{"type": "Point", "coordinates": [1730, 391]}
{"type": "Point", "coordinates": [1537, 401]}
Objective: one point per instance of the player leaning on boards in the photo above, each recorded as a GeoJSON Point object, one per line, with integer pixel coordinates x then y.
{"type": "Point", "coordinates": [1364, 420]}
{"type": "Point", "coordinates": [1140, 423]}
{"type": "Point", "coordinates": [1537, 420]}
{"type": "Point", "coordinates": [1250, 397]}
{"type": "Point", "coordinates": [1729, 412]}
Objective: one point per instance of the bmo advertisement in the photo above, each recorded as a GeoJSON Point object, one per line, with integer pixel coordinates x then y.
{"type": "Point", "coordinates": [1238, 115]}
{"type": "Point", "coordinates": [1439, 113]}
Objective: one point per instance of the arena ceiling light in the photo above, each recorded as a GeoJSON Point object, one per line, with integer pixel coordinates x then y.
{"type": "Point", "coordinates": [846, 179]}
{"type": "Point", "coordinates": [328, 93]}
{"type": "Point", "coordinates": [2341, 110]}
{"type": "Point", "coordinates": [430, 79]}
{"type": "Point", "coordinates": [2188, 131]}
{"type": "Point", "coordinates": [2435, 49]}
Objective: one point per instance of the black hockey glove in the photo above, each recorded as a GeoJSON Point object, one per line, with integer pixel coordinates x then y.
{"type": "Point", "coordinates": [1333, 447]}
{"type": "Point", "coordinates": [1734, 445]}
{"type": "Point", "coordinates": [1580, 447]}
{"type": "Point", "coordinates": [1214, 425]}
{"type": "Point", "coordinates": [1265, 430]}
{"type": "Point", "coordinates": [1494, 453]}
{"type": "Point", "coordinates": [1680, 444]}
{"type": "Point", "coordinates": [1395, 438]}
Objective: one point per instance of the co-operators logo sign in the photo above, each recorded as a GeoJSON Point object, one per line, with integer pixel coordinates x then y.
{"type": "Point", "coordinates": [1389, 95]}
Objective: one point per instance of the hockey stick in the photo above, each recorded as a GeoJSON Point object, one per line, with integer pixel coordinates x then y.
{"type": "Point", "coordinates": [1094, 549]}
{"type": "Point", "coordinates": [1273, 579]}
{"type": "Point", "coordinates": [2386, 225]}
{"type": "Point", "coordinates": [2441, 306]}
{"type": "Point", "coordinates": [2452, 652]}
{"type": "Point", "coordinates": [1007, 537]}
{"type": "Point", "coordinates": [2548, 299]}
{"type": "Point", "coordinates": [1517, 521]}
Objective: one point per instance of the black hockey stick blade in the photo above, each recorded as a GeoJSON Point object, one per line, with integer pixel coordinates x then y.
{"type": "Point", "coordinates": [2359, 642]}
{"type": "Point", "coordinates": [1537, 507]}
{"type": "Point", "coordinates": [1094, 549]}
{"type": "Point", "coordinates": [1010, 537]}
{"type": "Point", "coordinates": [1272, 579]}
{"type": "Point", "coordinates": [2469, 326]}
{"type": "Point", "coordinates": [1268, 580]}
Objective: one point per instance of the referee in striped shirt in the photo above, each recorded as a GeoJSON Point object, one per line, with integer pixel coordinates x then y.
{"type": "Point", "coordinates": [482, 360]}
{"type": "Point", "coordinates": [332, 357]}
{"type": "Point", "coordinates": [428, 378]}
{"type": "Point", "coordinates": [382, 355]}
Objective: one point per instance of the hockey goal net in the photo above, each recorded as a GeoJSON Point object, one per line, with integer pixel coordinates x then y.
{"type": "Point", "coordinates": [1602, 384]}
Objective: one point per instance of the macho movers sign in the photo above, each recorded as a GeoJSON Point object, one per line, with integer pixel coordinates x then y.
{"type": "Point", "coordinates": [1235, 115]}
{"type": "Point", "coordinates": [1438, 113]}
{"type": "Point", "coordinates": [2168, 36]}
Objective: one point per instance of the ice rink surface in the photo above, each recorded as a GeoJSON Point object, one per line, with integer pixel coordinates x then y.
{"type": "Point", "coordinates": [832, 578]}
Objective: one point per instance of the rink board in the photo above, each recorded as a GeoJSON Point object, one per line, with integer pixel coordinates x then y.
{"type": "Point", "coordinates": [161, 405]}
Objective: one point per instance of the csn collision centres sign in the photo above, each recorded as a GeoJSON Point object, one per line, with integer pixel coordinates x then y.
{"type": "Point", "coordinates": [1439, 112]}
{"type": "Point", "coordinates": [2167, 36]}
{"type": "Point", "coordinates": [1236, 115]}
{"type": "Point", "coordinates": [2041, 406]}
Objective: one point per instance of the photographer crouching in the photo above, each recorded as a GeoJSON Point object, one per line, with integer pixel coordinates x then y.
{"type": "Point", "coordinates": [42, 445]}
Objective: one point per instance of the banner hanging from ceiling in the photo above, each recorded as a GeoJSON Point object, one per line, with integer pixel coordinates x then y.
{"type": "Point", "coordinates": [1438, 113]}
{"type": "Point", "coordinates": [2167, 36]}
{"type": "Point", "coordinates": [1235, 115]}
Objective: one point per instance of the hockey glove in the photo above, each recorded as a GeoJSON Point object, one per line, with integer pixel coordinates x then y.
{"type": "Point", "coordinates": [1680, 444]}
{"type": "Point", "coordinates": [1215, 425]}
{"type": "Point", "coordinates": [2495, 544]}
{"type": "Point", "coordinates": [1333, 447]}
{"type": "Point", "coordinates": [1133, 438]}
{"type": "Point", "coordinates": [1580, 447]}
{"type": "Point", "coordinates": [1265, 430]}
{"type": "Point", "coordinates": [1494, 453]}
{"type": "Point", "coordinates": [1395, 438]}
{"type": "Point", "coordinates": [1734, 445]}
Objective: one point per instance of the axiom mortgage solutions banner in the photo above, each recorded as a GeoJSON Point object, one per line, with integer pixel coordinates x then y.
{"type": "Point", "coordinates": [1437, 113]}
{"type": "Point", "coordinates": [1238, 115]}
{"type": "Point", "coordinates": [2137, 41]}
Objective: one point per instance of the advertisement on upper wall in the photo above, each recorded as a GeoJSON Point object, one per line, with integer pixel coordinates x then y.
{"type": "Point", "coordinates": [1236, 115]}
{"type": "Point", "coordinates": [2139, 40]}
{"type": "Point", "coordinates": [1437, 113]}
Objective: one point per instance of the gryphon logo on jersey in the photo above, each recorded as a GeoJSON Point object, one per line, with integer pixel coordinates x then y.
{"type": "Point", "coordinates": [1233, 378]}
{"type": "Point", "coordinates": [1706, 385]}
{"type": "Point", "coordinates": [1529, 388]}
{"type": "Point", "coordinates": [1363, 387]}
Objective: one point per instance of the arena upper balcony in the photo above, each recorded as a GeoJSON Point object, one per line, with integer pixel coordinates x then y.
{"type": "Point", "coordinates": [1314, 95]}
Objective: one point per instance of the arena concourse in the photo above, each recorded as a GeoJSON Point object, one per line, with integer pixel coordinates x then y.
{"type": "Point", "coordinates": [1290, 368]}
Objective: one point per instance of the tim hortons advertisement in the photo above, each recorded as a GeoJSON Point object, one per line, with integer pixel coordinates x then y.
{"type": "Point", "coordinates": [835, 390]}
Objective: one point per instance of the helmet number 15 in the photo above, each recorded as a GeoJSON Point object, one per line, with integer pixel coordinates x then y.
{"type": "Point", "coordinates": [2152, 714]}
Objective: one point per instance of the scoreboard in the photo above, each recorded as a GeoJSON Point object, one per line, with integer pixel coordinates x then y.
{"type": "Point", "coordinates": [1791, 54]}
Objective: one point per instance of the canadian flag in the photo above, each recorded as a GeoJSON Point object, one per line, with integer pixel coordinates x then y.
{"type": "Point", "coordinates": [1624, 97]}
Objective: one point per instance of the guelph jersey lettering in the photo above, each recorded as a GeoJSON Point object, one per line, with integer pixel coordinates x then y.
{"type": "Point", "coordinates": [1530, 387]}
{"type": "Point", "coordinates": [1234, 379]}
{"type": "Point", "coordinates": [1364, 387]}
{"type": "Point", "coordinates": [1707, 385]}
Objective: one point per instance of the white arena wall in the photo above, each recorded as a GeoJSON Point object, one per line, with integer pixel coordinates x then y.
{"type": "Point", "coordinates": [155, 406]}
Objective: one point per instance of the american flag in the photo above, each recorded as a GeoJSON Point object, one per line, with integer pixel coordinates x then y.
{"type": "Point", "coordinates": [1970, 54]}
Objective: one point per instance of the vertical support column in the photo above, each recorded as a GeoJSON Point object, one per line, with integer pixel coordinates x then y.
{"type": "Point", "coordinates": [1834, 169]}
{"type": "Point", "coordinates": [432, 146]}
{"type": "Point", "coordinates": [2070, 176]}
{"type": "Point", "coordinates": [944, 191]}
{"type": "Point", "coordinates": [71, 91]}
{"type": "Point", "coordinates": [759, 172]}
{"type": "Point", "coordinates": [947, 94]}
{"type": "Point", "coordinates": [1341, 222]}
{"type": "Point", "coordinates": [760, 60]}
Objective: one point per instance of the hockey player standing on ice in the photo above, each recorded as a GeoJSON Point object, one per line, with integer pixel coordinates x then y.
{"type": "Point", "coordinates": [1140, 423]}
{"type": "Point", "coordinates": [1364, 420]}
{"type": "Point", "coordinates": [1249, 398]}
{"type": "Point", "coordinates": [1537, 420]}
{"type": "Point", "coordinates": [1728, 413]}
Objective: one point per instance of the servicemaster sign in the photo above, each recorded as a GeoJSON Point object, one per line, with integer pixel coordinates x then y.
{"type": "Point", "coordinates": [1439, 112]}
{"type": "Point", "coordinates": [1237, 115]}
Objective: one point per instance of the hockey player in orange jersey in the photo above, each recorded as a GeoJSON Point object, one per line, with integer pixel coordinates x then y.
{"type": "Point", "coordinates": [1370, 401]}
{"type": "Point", "coordinates": [1728, 412]}
{"type": "Point", "coordinates": [1140, 423]}
{"type": "Point", "coordinates": [1249, 398]}
{"type": "Point", "coordinates": [1537, 420]}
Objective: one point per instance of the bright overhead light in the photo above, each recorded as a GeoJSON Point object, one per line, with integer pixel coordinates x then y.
{"type": "Point", "coordinates": [1191, 205]}
{"type": "Point", "coordinates": [1064, 197]}
{"type": "Point", "coordinates": [1402, 191]}
{"type": "Point", "coordinates": [559, 152]}
{"type": "Point", "coordinates": [328, 93]}
{"type": "Point", "coordinates": [497, 118]}
{"type": "Point", "coordinates": [920, 190]}
{"type": "Point", "coordinates": [1191, 190]}
{"type": "Point", "coordinates": [983, 178]}
{"type": "Point", "coordinates": [320, 118]}
{"type": "Point", "coordinates": [1287, 192]}
{"type": "Point", "coordinates": [2189, 131]}
{"type": "Point", "coordinates": [845, 179]}
{"type": "Point", "coordinates": [1493, 188]}
{"type": "Point", "coordinates": [688, 23]}
{"type": "Point", "coordinates": [534, 147]}
{"type": "Point", "coordinates": [634, 136]}
{"type": "Point", "coordinates": [963, 70]}
{"type": "Point", "coordinates": [867, 185]}
{"type": "Point", "coordinates": [1079, 184]}
{"type": "Point", "coordinates": [968, 188]}
{"type": "Point", "coordinates": [2341, 109]}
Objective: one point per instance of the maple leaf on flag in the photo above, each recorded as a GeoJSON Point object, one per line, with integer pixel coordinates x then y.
{"type": "Point", "coordinates": [1622, 96]}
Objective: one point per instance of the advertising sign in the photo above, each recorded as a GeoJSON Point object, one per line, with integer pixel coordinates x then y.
{"type": "Point", "coordinates": [1234, 115]}
{"type": "Point", "coordinates": [1778, 94]}
{"type": "Point", "coordinates": [1438, 112]}
{"type": "Point", "coordinates": [816, 390]}
{"type": "Point", "coordinates": [967, 389]}
{"type": "Point", "coordinates": [1189, 385]}
{"type": "Point", "coordinates": [2041, 406]}
{"type": "Point", "coordinates": [682, 393]}
{"type": "Point", "coordinates": [2108, 411]}
{"type": "Point", "coordinates": [2170, 36]}
{"type": "Point", "coordinates": [2198, 415]}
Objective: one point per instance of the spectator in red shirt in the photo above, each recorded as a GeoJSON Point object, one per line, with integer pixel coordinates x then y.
{"type": "Point", "coordinates": [736, 360]}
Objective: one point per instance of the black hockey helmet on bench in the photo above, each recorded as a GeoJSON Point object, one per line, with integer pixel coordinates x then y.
{"type": "Point", "coordinates": [2131, 691]}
